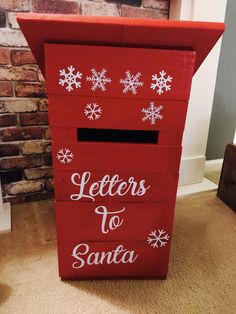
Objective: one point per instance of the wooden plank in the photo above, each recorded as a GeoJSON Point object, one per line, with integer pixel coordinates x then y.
{"type": "Point", "coordinates": [111, 221]}
{"type": "Point", "coordinates": [114, 113]}
{"type": "Point", "coordinates": [108, 157]}
{"type": "Point", "coordinates": [123, 187]}
{"type": "Point", "coordinates": [134, 259]}
{"type": "Point", "coordinates": [169, 70]}
{"type": "Point", "coordinates": [70, 134]}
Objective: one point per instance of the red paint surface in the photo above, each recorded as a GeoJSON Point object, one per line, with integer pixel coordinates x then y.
{"type": "Point", "coordinates": [110, 31]}
{"type": "Point", "coordinates": [79, 220]}
{"type": "Point", "coordinates": [154, 46]}
{"type": "Point", "coordinates": [178, 64]}
{"type": "Point", "coordinates": [92, 156]}
{"type": "Point", "coordinates": [151, 262]}
{"type": "Point", "coordinates": [116, 113]}
{"type": "Point", "coordinates": [162, 186]}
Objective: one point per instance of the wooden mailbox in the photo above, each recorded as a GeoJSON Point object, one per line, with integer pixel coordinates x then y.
{"type": "Point", "coordinates": [118, 95]}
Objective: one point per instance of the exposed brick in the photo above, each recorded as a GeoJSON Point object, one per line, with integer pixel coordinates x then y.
{"type": "Point", "coordinates": [162, 15]}
{"type": "Point", "coordinates": [19, 105]}
{"type": "Point", "coordinates": [22, 57]}
{"type": "Point", "coordinates": [36, 118]}
{"type": "Point", "coordinates": [12, 38]}
{"type": "Point", "coordinates": [25, 73]}
{"type": "Point", "coordinates": [23, 187]}
{"type": "Point", "coordinates": [55, 6]}
{"type": "Point", "coordinates": [15, 199]}
{"type": "Point", "coordinates": [36, 147]}
{"type": "Point", "coordinates": [20, 162]}
{"type": "Point", "coordinates": [156, 4]}
{"type": "Point", "coordinates": [6, 89]}
{"type": "Point", "coordinates": [98, 9]}
{"type": "Point", "coordinates": [47, 133]}
{"type": "Point", "coordinates": [47, 160]}
{"type": "Point", "coordinates": [17, 134]}
{"type": "Point", "coordinates": [12, 20]}
{"type": "Point", "coordinates": [128, 11]}
{"type": "Point", "coordinates": [15, 5]}
{"type": "Point", "coordinates": [49, 185]}
{"type": "Point", "coordinates": [9, 150]}
{"type": "Point", "coordinates": [40, 76]}
{"type": "Point", "coordinates": [38, 173]}
{"type": "Point", "coordinates": [11, 176]}
{"type": "Point", "coordinates": [43, 105]}
{"type": "Point", "coordinates": [4, 56]}
{"type": "Point", "coordinates": [30, 90]}
{"type": "Point", "coordinates": [38, 196]}
{"type": "Point", "coordinates": [2, 19]}
{"type": "Point", "coordinates": [8, 120]}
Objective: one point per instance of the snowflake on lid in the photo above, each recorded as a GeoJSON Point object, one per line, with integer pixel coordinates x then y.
{"type": "Point", "coordinates": [152, 113]}
{"type": "Point", "coordinates": [92, 111]}
{"type": "Point", "coordinates": [161, 82]}
{"type": "Point", "coordinates": [131, 82]}
{"type": "Point", "coordinates": [158, 238]}
{"type": "Point", "coordinates": [65, 156]}
{"type": "Point", "coordinates": [98, 79]}
{"type": "Point", "coordinates": [71, 78]}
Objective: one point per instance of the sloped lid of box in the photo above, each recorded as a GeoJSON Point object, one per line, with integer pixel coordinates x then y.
{"type": "Point", "coordinates": [113, 31]}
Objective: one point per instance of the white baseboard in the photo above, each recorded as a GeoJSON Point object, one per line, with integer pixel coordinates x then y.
{"type": "Point", "coordinates": [213, 165]}
{"type": "Point", "coordinates": [191, 170]}
{"type": "Point", "coordinates": [205, 186]}
{"type": "Point", "coordinates": [5, 218]}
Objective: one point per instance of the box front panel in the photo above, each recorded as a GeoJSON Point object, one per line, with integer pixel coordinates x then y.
{"type": "Point", "coordinates": [117, 117]}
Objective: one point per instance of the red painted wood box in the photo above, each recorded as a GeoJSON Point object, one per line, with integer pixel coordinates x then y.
{"type": "Point", "coordinates": [118, 95]}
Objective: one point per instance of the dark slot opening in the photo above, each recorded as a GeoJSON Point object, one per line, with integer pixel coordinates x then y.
{"type": "Point", "coordinates": [120, 136]}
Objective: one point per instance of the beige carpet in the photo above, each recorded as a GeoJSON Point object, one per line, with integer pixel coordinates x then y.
{"type": "Point", "coordinates": [202, 275]}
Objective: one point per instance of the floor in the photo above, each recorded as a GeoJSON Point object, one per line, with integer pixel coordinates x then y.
{"type": "Point", "coordinates": [202, 272]}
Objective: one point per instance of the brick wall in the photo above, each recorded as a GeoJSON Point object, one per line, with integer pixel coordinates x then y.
{"type": "Point", "coordinates": [25, 147]}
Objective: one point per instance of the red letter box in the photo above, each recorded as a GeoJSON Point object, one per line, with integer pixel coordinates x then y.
{"type": "Point", "coordinates": [118, 96]}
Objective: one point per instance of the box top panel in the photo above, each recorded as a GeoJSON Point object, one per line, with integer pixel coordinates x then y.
{"type": "Point", "coordinates": [114, 31]}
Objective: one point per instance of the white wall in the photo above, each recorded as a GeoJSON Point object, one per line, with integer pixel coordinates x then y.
{"type": "Point", "coordinates": [202, 93]}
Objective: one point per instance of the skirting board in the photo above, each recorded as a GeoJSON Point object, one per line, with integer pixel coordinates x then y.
{"type": "Point", "coordinates": [5, 218]}
{"type": "Point", "coordinates": [191, 170]}
{"type": "Point", "coordinates": [204, 186]}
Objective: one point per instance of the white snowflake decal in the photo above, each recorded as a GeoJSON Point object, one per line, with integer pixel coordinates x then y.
{"type": "Point", "coordinates": [98, 79]}
{"type": "Point", "coordinates": [65, 156]}
{"type": "Point", "coordinates": [152, 113]}
{"type": "Point", "coordinates": [158, 238]}
{"type": "Point", "coordinates": [93, 111]}
{"type": "Point", "coordinates": [131, 82]}
{"type": "Point", "coordinates": [71, 78]}
{"type": "Point", "coordinates": [161, 82]}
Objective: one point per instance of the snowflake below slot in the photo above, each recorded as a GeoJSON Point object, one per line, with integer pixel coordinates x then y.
{"type": "Point", "coordinates": [93, 111]}
{"type": "Point", "coordinates": [98, 79]}
{"type": "Point", "coordinates": [161, 82]}
{"type": "Point", "coordinates": [158, 238]}
{"type": "Point", "coordinates": [71, 78]}
{"type": "Point", "coordinates": [65, 156]}
{"type": "Point", "coordinates": [131, 82]}
{"type": "Point", "coordinates": [152, 113]}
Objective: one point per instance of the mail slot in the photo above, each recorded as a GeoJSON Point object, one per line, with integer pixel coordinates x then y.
{"type": "Point", "coordinates": [117, 110]}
